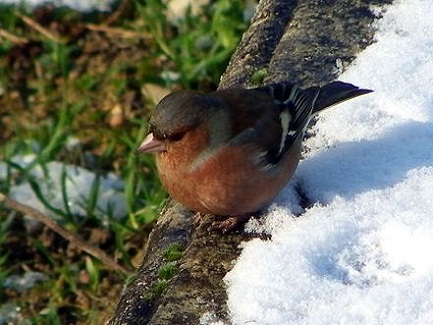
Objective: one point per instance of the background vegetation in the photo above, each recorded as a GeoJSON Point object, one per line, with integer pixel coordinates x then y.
{"type": "Point", "coordinates": [78, 88]}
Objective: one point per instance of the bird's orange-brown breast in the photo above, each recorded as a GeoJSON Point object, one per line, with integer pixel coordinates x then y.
{"type": "Point", "coordinates": [226, 182]}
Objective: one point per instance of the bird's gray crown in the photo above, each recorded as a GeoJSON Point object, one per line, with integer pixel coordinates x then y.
{"type": "Point", "coordinates": [182, 111]}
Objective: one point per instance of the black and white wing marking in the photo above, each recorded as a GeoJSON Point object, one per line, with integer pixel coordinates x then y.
{"type": "Point", "coordinates": [296, 108]}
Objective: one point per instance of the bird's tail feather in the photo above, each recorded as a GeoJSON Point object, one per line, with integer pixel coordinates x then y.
{"type": "Point", "coordinates": [334, 93]}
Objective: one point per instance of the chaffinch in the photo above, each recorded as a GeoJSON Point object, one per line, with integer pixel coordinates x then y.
{"type": "Point", "coordinates": [230, 152]}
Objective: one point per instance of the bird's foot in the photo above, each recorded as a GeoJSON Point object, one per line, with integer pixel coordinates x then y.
{"type": "Point", "coordinates": [228, 224]}
{"type": "Point", "coordinates": [198, 219]}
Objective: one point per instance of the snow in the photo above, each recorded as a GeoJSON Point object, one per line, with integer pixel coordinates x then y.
{"type": "Point", "coordinates": [176, 9]}
{"type": "Point", "coordinates": [362, 254]}
{"type": "Point", "coordinates": [83, 5]}
{"type": "Point", "coordinates": [23, 282]}
{"type": "Point", "coordinates": [77, 185]}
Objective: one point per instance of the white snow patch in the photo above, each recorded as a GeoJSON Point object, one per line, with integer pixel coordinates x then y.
{"type": "Point", "coordinates": [77, 186]}
{"type": "Point", "coordinates": [80, 5]}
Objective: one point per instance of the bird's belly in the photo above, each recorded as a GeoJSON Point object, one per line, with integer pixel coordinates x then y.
{"type": "Point", "coordinates": [227, 186]}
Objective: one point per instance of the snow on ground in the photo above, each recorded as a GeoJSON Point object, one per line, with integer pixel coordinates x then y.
{"type": "Point", "coordinates": [363, 254]}
{"type": "Point", "coordinates": [56, 178]}
{"type": "Point", "coordinates": [81, 5]}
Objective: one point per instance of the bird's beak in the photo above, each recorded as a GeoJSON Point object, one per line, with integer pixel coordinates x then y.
{"type": "Point", "coordinates": [150, 144]}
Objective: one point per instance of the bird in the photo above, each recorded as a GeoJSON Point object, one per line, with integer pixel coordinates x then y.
{"type": "Point", "coordinates": [230, 152]}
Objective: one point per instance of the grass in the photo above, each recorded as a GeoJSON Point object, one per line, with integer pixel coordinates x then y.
{"type": "Point", "coordinates": [69, 87]}
{"type": "Point", "coordinates": [172, 254]}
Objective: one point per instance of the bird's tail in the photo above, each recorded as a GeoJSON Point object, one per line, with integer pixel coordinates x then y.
{"type": "Point", "coordinates": [334, 93]}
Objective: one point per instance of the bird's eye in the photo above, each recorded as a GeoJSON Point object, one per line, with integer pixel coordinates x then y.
{"type": "Point", "coordinates": [176, 137]}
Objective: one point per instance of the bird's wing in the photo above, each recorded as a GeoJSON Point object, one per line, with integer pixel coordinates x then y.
{"type": "Point", "coordinates": [270, 118]}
